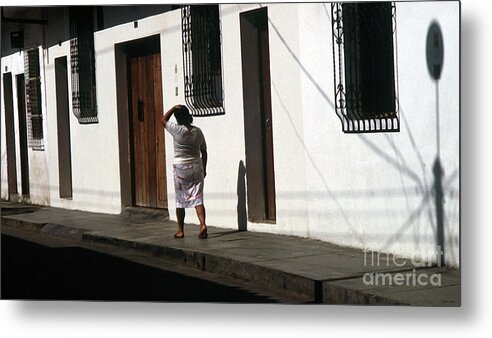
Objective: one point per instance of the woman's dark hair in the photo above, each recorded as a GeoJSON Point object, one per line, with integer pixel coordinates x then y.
{"type": "Point", "coordinates": [183, 116]}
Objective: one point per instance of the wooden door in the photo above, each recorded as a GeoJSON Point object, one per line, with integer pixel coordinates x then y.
{"type": "Point", "coordinates": [24, 150]}
{"type": "Point", "coordinates": [266, 112]}
{"type": "Point", "coordinates": [10, 134]}
{"type": "Point", "coordinates": [63, 128]}
{"type": "Point", "coordinates": [148, 151]}
{"type": "Point", "coordinates": [258, 116]}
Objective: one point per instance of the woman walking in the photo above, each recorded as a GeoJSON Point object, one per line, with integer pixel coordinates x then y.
{"type": "Point", "coordinates": [189, 166]}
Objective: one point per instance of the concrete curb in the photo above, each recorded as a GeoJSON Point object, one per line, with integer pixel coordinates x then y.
{"type": "Point", "coordinates": [21, 224]}
{"type": "Point", "coordinates": [337, 294]}
{"type": "Point", "coordinates": [347, 290]}
{"type": "Point", "coordinates": [51, 229]}
{"type": "Point", "coordinates": [299, 287]}
{"type": "Point", "coordinates": [296, 286]}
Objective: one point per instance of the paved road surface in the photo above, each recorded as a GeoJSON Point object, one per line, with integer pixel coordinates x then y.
{"type": "Point", "coordinates": [66, 272]}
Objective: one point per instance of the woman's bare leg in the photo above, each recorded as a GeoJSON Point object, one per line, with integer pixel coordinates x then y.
{"type": "Point", "coordinates": [180, 216]}
{"type": "Point", "coordinates": [200, 212]}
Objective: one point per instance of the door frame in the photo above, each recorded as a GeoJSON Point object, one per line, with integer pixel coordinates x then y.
{"type": "Point", "coordinates": [8, 97]}
{"type": "Point", "coordinates": [261, 196]}
{"type": "Point", "coordinates": [123, 52]}
{"type": "Point", "coordinates": [65, 188]}
{"type": "Point", "coordinates": [23, 137]}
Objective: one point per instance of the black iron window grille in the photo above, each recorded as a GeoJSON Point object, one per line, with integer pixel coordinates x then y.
{"type": "Point", "coordinates": [83, 66]}
{"type": "Point", "coordinates": [366, 81]}
{"type": "Point", "coordinates": [202, 62]}
{"type": "Point", "coordinates": [33, 99]}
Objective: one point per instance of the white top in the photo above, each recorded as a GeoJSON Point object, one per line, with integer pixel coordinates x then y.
{"type": "Point", "coordinates": [187, 143]}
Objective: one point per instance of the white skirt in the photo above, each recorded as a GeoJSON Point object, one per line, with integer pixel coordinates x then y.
{"type": "Point", "coordinates": [188, 184]}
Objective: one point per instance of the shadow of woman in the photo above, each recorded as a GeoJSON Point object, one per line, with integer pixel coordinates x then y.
{"type": "Point", "coordinates": [242, 218]}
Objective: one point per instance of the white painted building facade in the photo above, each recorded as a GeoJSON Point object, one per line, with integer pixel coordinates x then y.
{"type": "Point", "coordinates": [372, 191]}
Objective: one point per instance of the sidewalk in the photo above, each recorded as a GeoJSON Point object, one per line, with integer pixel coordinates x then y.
{"type": "Point", "coordinates": [310, 270]}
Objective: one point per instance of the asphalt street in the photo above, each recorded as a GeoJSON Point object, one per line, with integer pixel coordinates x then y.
{"type": "Point", "coordinates": [33, 271]}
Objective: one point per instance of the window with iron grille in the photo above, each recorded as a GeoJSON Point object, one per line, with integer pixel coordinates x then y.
{"type": "Point", "coordinates": [202, 59]}
{"type": "Point", "coordinates": [82, 63]}
{"type": "Point", "coordinates": [364, 42]}
{"type": "Point", "coordinates": [33, 99]}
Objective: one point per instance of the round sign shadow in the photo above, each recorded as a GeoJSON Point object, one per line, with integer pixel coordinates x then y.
{"type": "Point", "coordinates": [435, 51]}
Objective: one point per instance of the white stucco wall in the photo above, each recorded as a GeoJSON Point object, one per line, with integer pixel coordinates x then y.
{"type": "Point", "coordinates": [375, 191]}
{"type": "Point", "coordinates": [225, 134]}
{"type": "Point", "coordinates": [38, 166]}
{"type": "Point", "coordinates": [6, 65]}
{"type": "Point", "coordinates": [371, 191]}
{"type": "Point", "coordinates": [95, 170]}
{"type": "Point", "coordinates": [53, 53]}
{"type": "Point", "coordinates": [95, 154]}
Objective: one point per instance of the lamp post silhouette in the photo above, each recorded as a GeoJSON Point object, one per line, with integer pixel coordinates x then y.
{"type": "Point", "coordinates": [435, 61]}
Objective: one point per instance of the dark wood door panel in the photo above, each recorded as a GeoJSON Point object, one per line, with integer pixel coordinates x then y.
{"type": "Point", "coordinates": [161, 194]}
{"type": "Point", "coordinates": [267, 121]}
{"type": "Point", "coordinates": [23, 140]}
{"type": "Point", "coordinates": [10, 134]}
{"type": "Point", "coordinates": [63, 128]}
{"type": "Point", "coordinates": [148, 137]}
{"type": "Point", "coordinates": [258, 116]}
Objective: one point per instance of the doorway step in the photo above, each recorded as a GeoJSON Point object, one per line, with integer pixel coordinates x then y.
{"type": "Point", "coordinates": [140, 214]}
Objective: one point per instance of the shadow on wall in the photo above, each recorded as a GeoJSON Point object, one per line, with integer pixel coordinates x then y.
{"type": "Point", "coordinates": [435, 61]}
{"type": "Point", "coordinates": [242, 218]}
{"type": "Point", "coordinates": [440, 185]}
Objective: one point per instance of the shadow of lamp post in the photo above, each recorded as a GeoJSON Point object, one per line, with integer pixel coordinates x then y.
{"type": "Point", "coordinates": [435, 61]}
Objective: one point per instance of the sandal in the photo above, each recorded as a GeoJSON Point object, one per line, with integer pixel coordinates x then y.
{"type": "Point", "coordinates": [203, 233]}
{"type": "Point", "coordinates": [176, 235]}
